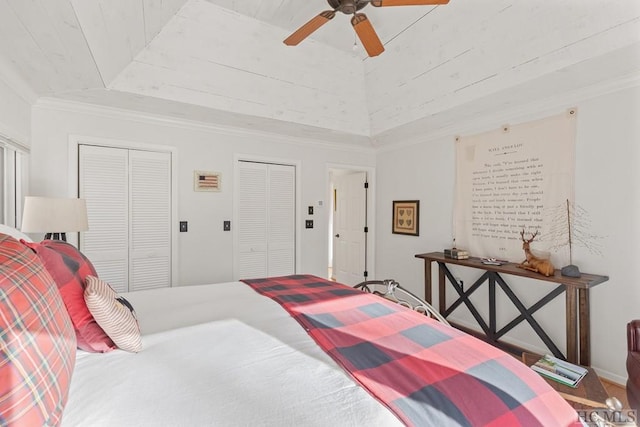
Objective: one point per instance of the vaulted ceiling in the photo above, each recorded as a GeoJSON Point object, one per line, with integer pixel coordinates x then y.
{"type": "Point", "coordinates": [223, 61]}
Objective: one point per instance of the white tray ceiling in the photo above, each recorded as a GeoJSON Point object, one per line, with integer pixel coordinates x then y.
{"type": "Point", "coordinates": [224, 59]}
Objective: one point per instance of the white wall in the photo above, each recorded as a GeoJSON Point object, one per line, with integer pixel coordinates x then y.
{"type": "Point", "coordinates": [607, 186]}
{"type": "Point", "coordinates": [206, 252]}
{"type": "Point", "coordinates": [607, 156]}
{"type": "Point", "coordinates": [15, 115]}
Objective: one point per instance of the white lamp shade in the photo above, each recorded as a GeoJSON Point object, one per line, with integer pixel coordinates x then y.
{"type": "Point", "coordinates": [54, 215]}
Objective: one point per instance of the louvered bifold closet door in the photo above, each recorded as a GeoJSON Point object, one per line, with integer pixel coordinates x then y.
{"type": "Point", "coordinates": [266, 220]}
{"type": "Point", "coordinates": [103, 182]}
{"type": "Point", "coordinates": [252, 220]}
{"type": "Point", "coordinates": [150, 224]}
{"type": "Point", "coordinates": [281, 220]}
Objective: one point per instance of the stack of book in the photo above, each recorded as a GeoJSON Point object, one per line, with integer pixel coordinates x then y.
{"type": "Point", "coordinates": [456, 253]}
{"type": "Point", "coordinates": [559, 370]}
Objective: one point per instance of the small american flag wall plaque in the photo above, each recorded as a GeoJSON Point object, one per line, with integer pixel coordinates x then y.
{"type": "Point", "coordinates": [206, 181]}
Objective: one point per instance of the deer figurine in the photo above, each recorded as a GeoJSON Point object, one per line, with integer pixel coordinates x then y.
{"type": "Point", "coordinates": [533, 263]}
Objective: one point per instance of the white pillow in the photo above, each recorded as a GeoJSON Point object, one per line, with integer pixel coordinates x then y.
{"type": "Point", "coordinates": [16, 234]}
{"type": "Point", "coordinates": [113, 313]}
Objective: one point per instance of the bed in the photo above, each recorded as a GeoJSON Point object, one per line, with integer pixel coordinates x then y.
{"type": "Point", "coordinates": [229, 354]}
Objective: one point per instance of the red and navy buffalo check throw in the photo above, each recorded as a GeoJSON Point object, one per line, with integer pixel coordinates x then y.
{"type": "Point", "coordinates": [427, 373]}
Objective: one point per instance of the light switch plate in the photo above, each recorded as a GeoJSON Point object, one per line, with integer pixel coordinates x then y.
{"type": "Point", "coordinates": [184, 227]}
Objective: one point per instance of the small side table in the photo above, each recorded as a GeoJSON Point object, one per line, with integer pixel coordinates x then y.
{"type": "Point", "coordinates": [588, 394]}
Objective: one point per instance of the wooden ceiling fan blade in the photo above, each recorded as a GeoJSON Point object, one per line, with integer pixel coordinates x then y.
{"type": "Point", "coordinates": [385, 3]}
{"type": "Point", "coordinates": [367, 34]}
{"type": "Point", "coordinates": [308, 28]}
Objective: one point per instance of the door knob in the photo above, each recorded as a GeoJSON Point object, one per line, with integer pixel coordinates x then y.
{"type": "Point", "coordinates": [337, 235]}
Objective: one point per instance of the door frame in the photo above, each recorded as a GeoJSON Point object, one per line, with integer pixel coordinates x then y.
{"type": "Point", "coordinates": [371, 212]}
{"type": "Point", "coordinates": [297, 164]}
{"type": "Point", "coordinates": [14, 174]}
{"type": "Point", "coordinates": [76, 140]}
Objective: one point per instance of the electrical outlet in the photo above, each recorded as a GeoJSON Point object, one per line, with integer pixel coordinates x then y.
{"type": "Point", "coordinates": [184, 226]}
{"type": "Point", "coordinates": [308, 223]}
{"type": "Point", "coordinates": [226, 226]}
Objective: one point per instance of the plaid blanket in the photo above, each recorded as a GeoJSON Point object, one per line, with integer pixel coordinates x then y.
{"type": "Point", "coordinates": [425, 372]}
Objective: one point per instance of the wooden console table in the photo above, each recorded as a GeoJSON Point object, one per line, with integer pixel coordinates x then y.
{"type": "Point", "coordinates": [577, 302]}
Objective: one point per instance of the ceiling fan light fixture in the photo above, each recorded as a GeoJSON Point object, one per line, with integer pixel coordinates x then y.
{"type": "Point", "coordinates": [348, 7]}
{"type": "Point", "coordinates": [389, 3]}
{"type": "Point", "coordinates": [361, 24]}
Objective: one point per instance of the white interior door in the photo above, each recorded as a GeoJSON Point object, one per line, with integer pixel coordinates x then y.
{"type": "Point", "coordinates": [128, 194]}
{"type": "Point", "coordinates": [266, 220]}
{"type": "Point", "coordinates": [150, 220]}
{"type": "Point", "coordinates": [282, 217]}
{"type": "Point", "coordinates": [252, 220]}
{"type": "Point", "coordinates": [349, 221]}
{"type": "Point", "coordinates": [104, 183]}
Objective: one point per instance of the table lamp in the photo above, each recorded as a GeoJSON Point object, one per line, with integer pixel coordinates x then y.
{"type": "Point", "coordinates": [54, 216]}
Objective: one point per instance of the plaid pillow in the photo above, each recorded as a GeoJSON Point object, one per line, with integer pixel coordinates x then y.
{"type": "Point", "coordinates": [69, 267]}
{"type": "Point", "coordinates": [113, 313]}
{"type": "Point", "coordinates": [37, 341]}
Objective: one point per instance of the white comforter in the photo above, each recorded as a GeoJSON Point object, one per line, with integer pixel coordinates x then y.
{"type": "Point", "coordinates": [217, 355]}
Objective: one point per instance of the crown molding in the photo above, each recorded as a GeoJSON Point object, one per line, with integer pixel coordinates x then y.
{"type": "Point", "coordinates": [13, 140]}
{"type": "Point", "coordinates": [78, 107]}
{"type": "Point", "coordinates": [13, 144]}
{"type": "Point", "coordinates": [513, 114]}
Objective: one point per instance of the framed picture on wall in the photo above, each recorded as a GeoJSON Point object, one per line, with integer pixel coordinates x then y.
{"type": "Point", "coordinates": [206, 181]}
{"type": "Point", "coordinates": [406, 217]}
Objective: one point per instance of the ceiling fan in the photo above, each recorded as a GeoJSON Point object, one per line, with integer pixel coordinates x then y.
{"type": "Point", "coordinates": [360, 22]}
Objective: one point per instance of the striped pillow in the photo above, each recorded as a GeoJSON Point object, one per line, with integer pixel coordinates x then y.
{"type": "Point", "coordinates": [114, 314]}
{"type": "Point", "coordinates": [37, 341]}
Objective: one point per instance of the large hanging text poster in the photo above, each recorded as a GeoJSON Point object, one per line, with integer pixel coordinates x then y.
{"type": "Point", "coordinates": [510, 180]}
